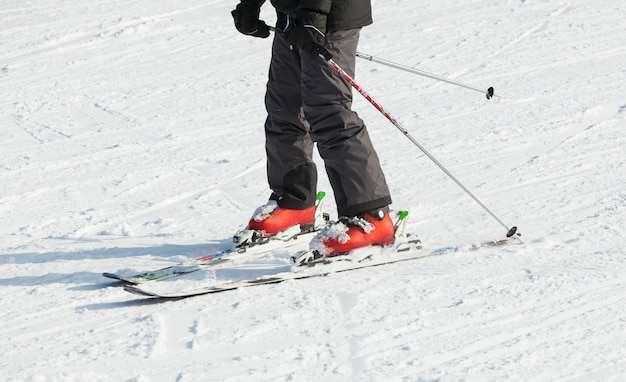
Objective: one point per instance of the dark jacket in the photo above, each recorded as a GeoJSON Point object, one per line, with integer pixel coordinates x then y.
{"type": "Point", "coordinates": [342, 14]}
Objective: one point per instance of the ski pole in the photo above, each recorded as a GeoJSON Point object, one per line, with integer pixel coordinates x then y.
{"type": "Point", "coordinates": [510, 231]}
{"type": "Point", "coordinates": [327, 57]}
{"type": "Point", "coordinates": [489, 93]}
{"type": "Point", "coordinates": [368, 57]}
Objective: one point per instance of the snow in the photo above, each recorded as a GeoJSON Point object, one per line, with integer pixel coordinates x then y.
{"type": "Point", "coordinates": [132, 138]}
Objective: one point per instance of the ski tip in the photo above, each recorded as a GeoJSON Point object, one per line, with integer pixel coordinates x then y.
{"type": "Point", "coordinates": [111, 275]}
{"type": "Point", "coordinates": [134, 289]}
{"type": "Point", "coordinates": [115, 276]}
{"type": "Point", "coordinates": [320, 195]}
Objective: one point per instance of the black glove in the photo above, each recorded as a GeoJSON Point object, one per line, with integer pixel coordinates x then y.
{"type": "Point", "coordinates": [308, 33]}
{"type": "Point", "coordinates": [246, 16]}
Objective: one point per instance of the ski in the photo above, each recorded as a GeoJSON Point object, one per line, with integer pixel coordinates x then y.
{"type": "Point", "coordinates": [212, 260]}
{"type": "Point", "coordinates": [409, 248]}
{"type": "Point", "coordinates": [247, 244]}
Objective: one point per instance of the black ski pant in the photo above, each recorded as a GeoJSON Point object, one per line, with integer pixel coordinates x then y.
{"type": "Point", "coordinates": [307, 101]}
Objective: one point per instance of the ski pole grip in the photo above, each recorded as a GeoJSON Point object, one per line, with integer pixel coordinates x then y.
{"type": "Point", "coordinates": [323, 52]}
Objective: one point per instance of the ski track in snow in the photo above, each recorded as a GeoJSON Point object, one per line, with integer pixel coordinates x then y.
{"type": "Point", "coordinates": [132, 138]}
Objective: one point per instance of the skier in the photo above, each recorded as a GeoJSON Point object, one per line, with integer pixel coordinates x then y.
{"type": "Point", "coordinates": [308, 102]}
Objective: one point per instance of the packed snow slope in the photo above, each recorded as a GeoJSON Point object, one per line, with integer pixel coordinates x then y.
{"type": "Point", "coordinates": [131, 137]}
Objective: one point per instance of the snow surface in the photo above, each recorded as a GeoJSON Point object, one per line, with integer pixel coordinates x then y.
{"type": "Point", "coordinates": [132, 138]}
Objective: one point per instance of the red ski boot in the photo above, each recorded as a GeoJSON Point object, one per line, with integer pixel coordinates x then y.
{"type": "Point", "coordinates": [273, 219]}
{"type": "Point", "coordinates": [371, 228]}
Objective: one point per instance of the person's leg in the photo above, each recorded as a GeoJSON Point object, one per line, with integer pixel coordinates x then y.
{"type": "Point", "coordinates": [344, 144]}
{"type": "Point", "coordinates": [291, 172]}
